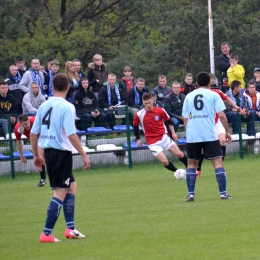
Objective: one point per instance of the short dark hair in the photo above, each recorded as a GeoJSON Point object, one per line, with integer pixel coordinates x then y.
{"type": "Point", "coordinates": [233, 56]}
{"type": "Point", "coordinates": [23, 118]}
{"type": "Point", "coordinates": [19, 58]}
{"type": "Point", "coordinates": [147, 96]}
{"type": "Point", "coordinates": [224, 43]}
{"type": "Point", "coordinates": [251, 82]}
{"type": "Point", "coordinates": [60, 82]}
{"type": "Point", "coordinates": [140, 79]}
{"type": "Point", "coordinates": [203, 79]}
{"type": "Point", "coordinates": [235, 84]}
{"type": "Point", "coordinates": [50, 59]}
{"type": "Point", "coordinates": [3, 83]}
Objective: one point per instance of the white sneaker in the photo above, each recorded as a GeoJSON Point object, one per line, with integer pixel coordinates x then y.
{"type": "Point", "coordinates": [73, 234]}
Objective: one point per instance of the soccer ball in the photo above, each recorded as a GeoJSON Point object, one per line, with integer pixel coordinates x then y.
{"type": "Point", "coordinates": [180, 174]}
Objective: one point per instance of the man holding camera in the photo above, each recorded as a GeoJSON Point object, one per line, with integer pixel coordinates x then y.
{"type": "Point", "coordinates": [87, 107]}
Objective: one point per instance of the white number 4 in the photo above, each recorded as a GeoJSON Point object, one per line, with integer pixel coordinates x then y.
{"type": "Point", "coordinates": [67, 182]}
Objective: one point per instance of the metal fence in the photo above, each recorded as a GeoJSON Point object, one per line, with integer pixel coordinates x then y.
{"type": "Point", "coordinates": [107, 146]}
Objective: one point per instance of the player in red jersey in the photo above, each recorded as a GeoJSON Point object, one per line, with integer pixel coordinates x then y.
{"type": "Point", "coordinates": [153, 120]}
{"type": "Point", "coordinates": [219, 129]}
{"type": "Point", "coordinates": [24, 126]}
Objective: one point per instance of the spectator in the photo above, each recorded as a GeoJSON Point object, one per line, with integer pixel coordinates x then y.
{"type": "Point", "coordinates": [173, 105]}
{"type": "Point", "coordinates": [20, 64]}
{"type": "Point", "coordinates": [97, 73]}
{"type": "Point", "coordinates": [42, 70]}
{"type": "Point", "coordinates": [33, 74]}
{"type": "Point", "coordinates": [162, 90]}
{"type": "Point", "coordinates": [223, 64]}
{"type": "Point", "coordinates": [73, 80]}
{"type": "Point", "coordinates": [13, 80]}
{"type": "Point", "coordinates": [87, 107]}
{"type": "Point", "coordinates": [54, 68]}
{"type": "Point", "coordinates": [235, 71]}
{"type": "Point", "coordinates": [77, 64]}
{"type": "Point", "coordinates": [135, 96]}
{"type": "Point", "coordinates": [235, 94]}
{"type": "Point", "coordinates": [32, 100]}
{"type": "Point", "coordinates": [127, 82]}
{"type": "Point", "coordinates": [251, 100]}
{"type": "Point", "coordinates": [213, 79]}
{"type": "Point", "coordinates": [188, 86]}
{"type": "Point", "coordinates": [256, 79]}
{"type": "Point", "coordinates": [8, 107]}
{"type": "Point", "coordinates": [109, 96]}
{"type": "Point", "coordinates": [48, 67]}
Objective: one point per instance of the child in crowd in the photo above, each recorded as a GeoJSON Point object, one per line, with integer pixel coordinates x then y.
{"type": "Point", "coordinates": [188, 86]}
{"type": "Point", "coordinates": [235, 71]}
{"type": "Point", "coordinates": [213, 84]}
{"type": "Point", "coordinates": [127, 82]}
{"type": "Point", "coordinates": [42, 69]}
{"type": "Point", "coordinates": [97, 73]}
{"type": "Point", "coordinates": [256, 79]}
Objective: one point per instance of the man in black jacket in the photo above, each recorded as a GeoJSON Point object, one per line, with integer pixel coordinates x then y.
{"type": "Point", "coordinates": [173, 104]}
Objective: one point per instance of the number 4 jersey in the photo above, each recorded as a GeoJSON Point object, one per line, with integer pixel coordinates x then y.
{"type": "Point", "coordinates": [200, 108]}
{"type": "Point", "coordinates": [54, 122]}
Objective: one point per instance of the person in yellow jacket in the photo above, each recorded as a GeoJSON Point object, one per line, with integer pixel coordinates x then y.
{"type": "Point", "coordinates": [235, 71]}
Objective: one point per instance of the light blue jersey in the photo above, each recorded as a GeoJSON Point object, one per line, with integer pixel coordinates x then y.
{"type": "Point", "coordinates": [200, 108]}
{"type": "Point", "coordinates": [54, 122]}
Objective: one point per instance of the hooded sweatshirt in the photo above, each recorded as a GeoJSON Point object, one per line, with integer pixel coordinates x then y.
{"type": "Point", "coordinates": [31, 103]}
{"type": "Point", "coordinates": [85, 101]}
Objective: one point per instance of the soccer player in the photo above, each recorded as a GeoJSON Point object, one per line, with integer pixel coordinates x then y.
{"type": "Point", "coordinates": [219, 130]}
{"type": "Point", "coordinates": [199, 109]}
{"type": "Point", "coordinates": [55, 124]}
{"type": "Point", "coordinates": [24, 126]}
{"type": "Point", "coordinates": [153, 119]}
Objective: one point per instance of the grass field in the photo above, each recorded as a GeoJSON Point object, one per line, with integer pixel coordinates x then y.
{"type": "Point", "coordinates": [138, 214]}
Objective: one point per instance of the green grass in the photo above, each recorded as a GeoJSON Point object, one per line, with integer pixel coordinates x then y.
{"type": "Point", "coordinates": [138, 214]}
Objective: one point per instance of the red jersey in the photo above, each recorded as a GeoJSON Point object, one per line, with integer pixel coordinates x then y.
{"type": "Point", "coordinates": [223, 97]}
{"type": "Point", "coordinates": [153, 123]}
{"type": "Point", "coordinates": [19, 130]}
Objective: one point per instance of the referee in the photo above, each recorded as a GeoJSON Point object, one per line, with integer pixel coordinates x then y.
{"type": "Point", "coordinates": [55, 125]}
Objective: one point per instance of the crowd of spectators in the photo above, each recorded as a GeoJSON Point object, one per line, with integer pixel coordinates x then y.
{"type": "Point", "coordinates": [97, 95]}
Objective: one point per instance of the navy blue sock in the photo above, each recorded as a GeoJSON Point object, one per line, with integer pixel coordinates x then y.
{"type": "Point", "coordinates": [221, 179]}
{"type": "Point", "coordinates": [191, 180]}
{"type": "Point", "coordinates": [53, 213]}
{"type": "Point", "coordinates": [68, 209]}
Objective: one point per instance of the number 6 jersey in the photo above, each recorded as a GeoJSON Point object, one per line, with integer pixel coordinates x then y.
{"type": "Point", "coordinates": [200, 108]}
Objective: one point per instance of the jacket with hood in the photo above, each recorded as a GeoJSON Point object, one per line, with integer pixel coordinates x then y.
{"type": "Point", "coordinates": [85, 101]}
{"type": "Point", "coordinates": [95, 73]}
{"type": "Point", "coordinates": [14, 90]}
{"type": "Point", "coordinates": [31, 103]}
{"type": "Point", "coordinates": [8, 106]}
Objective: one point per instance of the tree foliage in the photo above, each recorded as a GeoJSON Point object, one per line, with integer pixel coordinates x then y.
{"type": "Point", "coordinates": [167, 37]}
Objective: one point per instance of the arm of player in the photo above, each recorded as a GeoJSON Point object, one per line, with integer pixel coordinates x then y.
{"type": "Point", "coordinates": [38, 160]}
{"type": "Point", "coordinates": [170, 125]}
{"type": "Point", "coordinates": [137, 136]}
{"type": "Point", "coordinates": [20, 150]}
{"type": "Point", "coordinates": [224, 122]}
{"type": "Point", "coordinates": [232, 103]}
{"type": "Point", "coordinates": [77, 145]}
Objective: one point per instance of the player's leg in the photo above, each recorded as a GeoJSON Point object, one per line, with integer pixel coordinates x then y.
{"type": "Point", "coordinates": [221, 133]}
{"type": "Point", "coordinates": [193, 153]}
{"type": "Point", "coordinates": [213, 152]}
{"type": "Point", "coordinates": [57, 165]}
{"type": "Point", "coordinates": [42, 181]}
{"type": "Point", "coordinates": [174, 149]}
{"type": "Point", "coordinates": [157, 151]}
{"type": "Point", "coordinates": [198, 170]}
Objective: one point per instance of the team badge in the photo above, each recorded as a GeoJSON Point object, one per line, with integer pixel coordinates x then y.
{"type": "Point", "coordinates": [156, 118]}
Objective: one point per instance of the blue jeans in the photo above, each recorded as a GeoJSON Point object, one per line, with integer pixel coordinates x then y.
{"type": "Point", "coordinates": [250, 121]}
{"type": "Point", "coordinates": [176, 123]}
